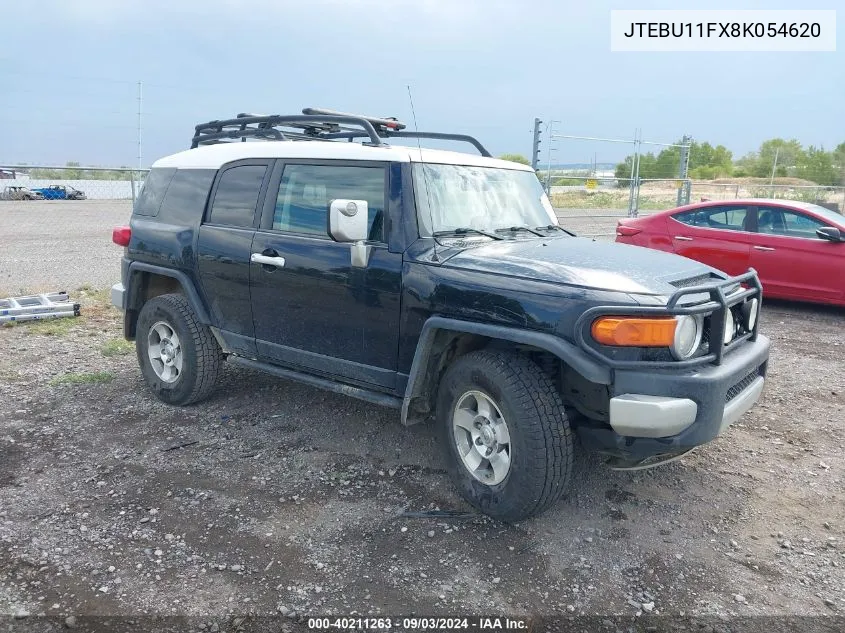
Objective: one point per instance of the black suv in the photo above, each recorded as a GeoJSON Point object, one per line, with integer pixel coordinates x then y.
{"type": "Point", "coordinates": [438, 283]}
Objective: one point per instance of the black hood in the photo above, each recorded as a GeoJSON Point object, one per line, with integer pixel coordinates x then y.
{"type": "Point", "coordinates": [585, 263]}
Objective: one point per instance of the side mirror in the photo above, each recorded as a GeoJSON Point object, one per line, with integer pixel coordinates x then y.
{"type": "Point", "coordinates": [831, 234]}
{"type": "Point", "coordinates": [348, 220]}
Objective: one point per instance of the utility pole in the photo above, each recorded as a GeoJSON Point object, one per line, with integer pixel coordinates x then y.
{"type": "Point", "coordinates": [683, 171]}
{"type": "Point", "coordinates": [549, 158]}
{"type": "Point", "coordinates": [634, 194]}
{"type": "Point", "coordinates": [535, 152]}
{"type": "Point", "coordinates": [774, 168]}
{"type": "Point", "coordinates": [140, 102]}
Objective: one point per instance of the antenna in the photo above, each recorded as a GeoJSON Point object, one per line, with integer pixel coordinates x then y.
{"type": "Point", "coordinates": [425, 177]}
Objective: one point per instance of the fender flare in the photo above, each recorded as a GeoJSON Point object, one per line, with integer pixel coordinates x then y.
{"type": "Point", "coordinates": [187, 284]}
{"type": "Point", "coordinates": [420, 367]}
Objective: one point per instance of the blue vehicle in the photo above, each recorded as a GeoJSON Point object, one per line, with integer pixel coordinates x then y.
{"type": "Point", "coordinates": [61, 192]}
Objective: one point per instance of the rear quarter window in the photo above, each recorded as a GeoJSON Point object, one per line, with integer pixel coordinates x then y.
{"type": "Point", "coordinates": [236, 197]}
{"type": "Point", "coordinates": [187, 194]}
{"type": "Point", "coordinates": [152, 191]}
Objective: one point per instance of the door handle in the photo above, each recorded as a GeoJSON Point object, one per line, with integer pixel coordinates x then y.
{"type": "Point", "coordinates": [681, 238]}
{"type": "Point", "coordinates": [267, 260]}
{"type": "Point", "coordinates": [763, 248]}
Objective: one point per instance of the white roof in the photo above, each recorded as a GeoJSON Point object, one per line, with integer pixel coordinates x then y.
{"type": "Point", "coordinates": [214, 156]}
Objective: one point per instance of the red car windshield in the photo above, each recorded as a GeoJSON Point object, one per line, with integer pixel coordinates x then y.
{"type": "Point", "coordinates": [828, 214]}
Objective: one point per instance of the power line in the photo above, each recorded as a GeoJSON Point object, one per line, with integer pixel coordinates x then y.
{"type": "Point", "coordinates": [127, 82]}
{"type": "Point", "coordinates": [14, 109]}
{"type": "Point", "coordinates": [42, 73]}
{"type": "Point", "coordinates": [77, 124]}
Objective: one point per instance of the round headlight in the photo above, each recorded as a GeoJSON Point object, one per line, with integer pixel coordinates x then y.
{"type": "Point", "coordinates": [730, 326]}
{"type": "Point", "coordinates": [749, 313]}
{"type": "Point", "coordinates": [688, 331]}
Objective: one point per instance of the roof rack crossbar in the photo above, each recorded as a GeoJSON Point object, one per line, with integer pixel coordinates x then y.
{"type": "Point", "coordinates": [351, 135]}
{"type": "Point", "coordinates": [378, 122]}
{"type": "Point", "coordinates": [210, 137]}
{"type": "Point", "coordinates": [214, 130]}
{"type": "Point", "coordinates": [442, 136]}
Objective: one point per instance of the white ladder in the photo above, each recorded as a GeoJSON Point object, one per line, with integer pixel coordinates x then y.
{"type": "Point", "coordinates": [51, 305]}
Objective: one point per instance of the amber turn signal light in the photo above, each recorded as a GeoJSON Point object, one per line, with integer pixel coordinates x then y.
{"type": "Point", "coordinates": [635, 331]}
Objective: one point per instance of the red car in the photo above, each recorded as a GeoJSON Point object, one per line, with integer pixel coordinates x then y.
{"type": "Point", "coordinates": [798, 249]}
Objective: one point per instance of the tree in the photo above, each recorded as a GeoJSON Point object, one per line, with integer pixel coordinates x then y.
{"type": "Point", "coordinates": [817, 165]}
{"type": "Point", "coordinates": [624, 169]}
{"type": "Point", "coordinates": [648, 167]}
{"type": "Point", "coordinates": [705, 161]}
{"type": "Point", "coordinates": [745, 166]}
{"type": "Point", "coordinates": [73, 171]}
{"type": "Point", "coordinates": [719, 158]}
{"type": "Point", "coordinates": [787, 157]}
{"type": "Point", "coordinates": [516, 158]}
{"type": "Point", "coordinates": [788, 154]}
{"type": "Point", "coordinates": [839, 162]}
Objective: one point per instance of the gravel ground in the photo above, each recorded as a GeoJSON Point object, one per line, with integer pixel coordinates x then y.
{"type": "Point", "coordinates": [275, 498]}
{"type": "Point", "coordinates": [54, 245]}
{"type": "Point", "coordinates": [61, 245]}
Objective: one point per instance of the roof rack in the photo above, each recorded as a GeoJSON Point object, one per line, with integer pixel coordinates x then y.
{"type": "Point", "coordinates": [315, 124]}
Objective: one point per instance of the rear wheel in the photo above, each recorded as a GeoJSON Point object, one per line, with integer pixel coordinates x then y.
{"type": "Point", "coordinates": [179, 358]}
{"type": "Point", "coordinates": [507, 436]}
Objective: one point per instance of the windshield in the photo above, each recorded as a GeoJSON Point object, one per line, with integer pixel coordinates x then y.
{"type": "Point", "coordinates": [828, 214]}
{"type": "Point", "coordinates": [486, 198]}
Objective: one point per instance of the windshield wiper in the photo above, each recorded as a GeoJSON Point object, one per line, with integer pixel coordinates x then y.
{"type": "Point", "coordinates": [465, 230]}
{"type": "Point", "coordinates": [514, 229]}
{"type": "Point", "coordinates": [555, 227]}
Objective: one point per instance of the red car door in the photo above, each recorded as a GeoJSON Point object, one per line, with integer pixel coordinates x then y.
{"type": "Point", "coordinates": [714, 235]}
{"type": "Point", "coordinates": [792, 261]}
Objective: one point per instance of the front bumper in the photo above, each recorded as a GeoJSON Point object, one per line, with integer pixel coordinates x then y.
{"type": "Point", "coordinates": [662, 412]}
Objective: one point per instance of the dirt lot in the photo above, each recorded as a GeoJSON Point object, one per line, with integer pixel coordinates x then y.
{"type": "Point", "coordinates": [55, 245]}
{"type": "Point", "coordinates": [278, 498]}
{"type": "Point", "coordinates": [275, 498]}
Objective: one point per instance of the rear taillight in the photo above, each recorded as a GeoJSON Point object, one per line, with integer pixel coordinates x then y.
{"type": "Point", "coordinates": [121, 235]}
{"type": "Point", "coordinates": [627, 231]}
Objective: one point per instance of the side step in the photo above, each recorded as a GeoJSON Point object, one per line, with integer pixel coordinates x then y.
{"type": "Point", "coordinates": [375, 397]}
{"type": "Point", "coordinates": [619, 463]}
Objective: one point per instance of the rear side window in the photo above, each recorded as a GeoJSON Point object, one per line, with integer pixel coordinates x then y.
{"type": "Point", "coordinates": [186, 196]}
{"type": "Point", "coordinates": [152, 191]}
{"type": "Point", "coordinates": [237, 195]}
{"type": "Point", "coordinates": [731, 218]}
{"type": "Point", "coordinates": [306, 191]}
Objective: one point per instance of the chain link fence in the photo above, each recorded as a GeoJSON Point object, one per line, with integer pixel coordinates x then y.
{"type": "Point", "coordinates": [27, 183]}
{"type": "Point", "coordinates": [589, 205]}
{"type": "Point", "coordinates": [831, 197]}
{"type": "Point", "coordinates": [592, 206]}
{"type": "Point", "coordinates": [658, 194]}
{"type": "Point", "coordinates": [614, 194]}
{"type": "Point", "coordinates": [606, 193]}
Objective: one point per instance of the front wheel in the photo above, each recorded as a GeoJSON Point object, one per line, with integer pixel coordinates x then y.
{"type": "Point", "coordinates": [507, 436]}
{"type": "Point", "coordinates": [179, 357]}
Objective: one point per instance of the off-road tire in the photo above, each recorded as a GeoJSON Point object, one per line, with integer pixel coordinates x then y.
{"type": "Point", "coordinates": [201, 355]}
{"type": "Point", "coordinates": [540, 435]}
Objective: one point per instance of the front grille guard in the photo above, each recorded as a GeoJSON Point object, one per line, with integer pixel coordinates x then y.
{"type": "Point", "coordinates": [717, 307]}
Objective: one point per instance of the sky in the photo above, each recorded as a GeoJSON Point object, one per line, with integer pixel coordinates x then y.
{"type": "Point", "coordinates": [69, 71]}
